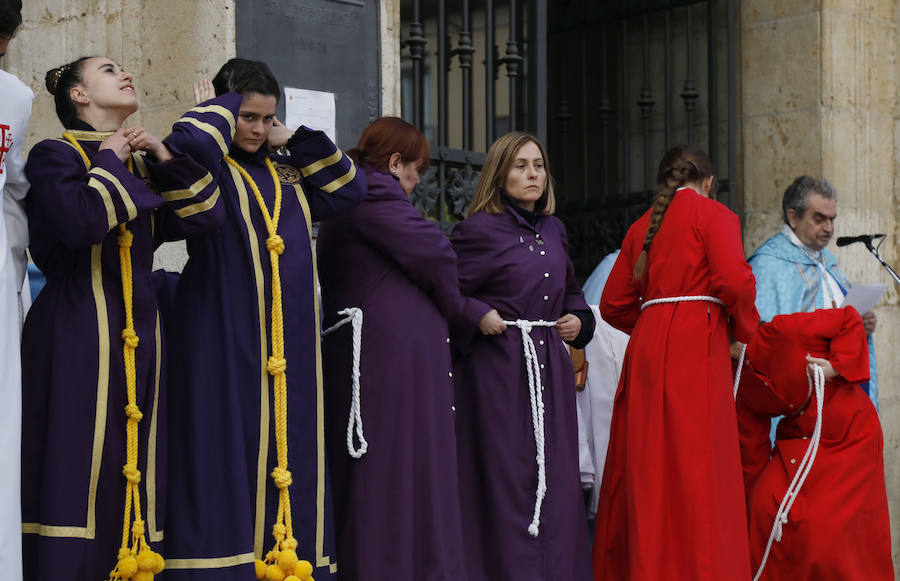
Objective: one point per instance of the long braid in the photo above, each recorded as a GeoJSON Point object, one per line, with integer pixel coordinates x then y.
{"type": "Point", "coordinates": [681, 165]}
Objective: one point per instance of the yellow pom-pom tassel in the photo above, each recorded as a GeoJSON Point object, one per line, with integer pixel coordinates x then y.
{"type": "Point", "coordinates": [287, 560]}
{"type": "Point", "coordinates": [303, 569]}
{"type": "Point", "coordinates": [159, 565]}
{"type": "Point", "coordinates": [292, 578]}
{"type": "Point", "coordinates": [127, 567]}
{"type": "Point", "coordinates": [142, 576]}
{"type": "Point", "coordinates": [274, 573]}
{"type": "Point", "coordinates": [146, 560]}
{"type": "Point", "coordinates": [260, 569]}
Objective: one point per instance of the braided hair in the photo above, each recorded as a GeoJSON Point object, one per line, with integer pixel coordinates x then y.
{"type": "Point", "coordinates": [681, 165]}
{"type": "Point", "coordinates": [58, 82]}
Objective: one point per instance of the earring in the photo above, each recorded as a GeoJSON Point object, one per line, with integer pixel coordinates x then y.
{"type": "Point", "coordinates": [394, 171]}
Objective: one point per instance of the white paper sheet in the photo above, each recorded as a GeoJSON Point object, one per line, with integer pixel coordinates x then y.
{"type": "Point", "coordinates": [315, 109]}
{"type": "Point", "coordinates": [864, 297]}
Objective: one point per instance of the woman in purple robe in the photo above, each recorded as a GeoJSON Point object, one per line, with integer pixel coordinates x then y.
{"type": "Point", "coordinates": [247, 406]}
{"type": "Point", "coordinates": [91, 194]}
{"type": "Point", "coordinates": [396, 502]}
{"type": "Point", "coordinates": [523, 509]}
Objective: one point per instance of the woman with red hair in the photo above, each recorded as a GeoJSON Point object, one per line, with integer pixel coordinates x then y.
{"type": "Point", "coordinates": [395, 481]}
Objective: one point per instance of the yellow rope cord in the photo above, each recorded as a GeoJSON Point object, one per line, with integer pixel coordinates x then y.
{"type": "Point", "coordinates": [137, 562]}
{"type": "Point", "coordinates": [282, 561]}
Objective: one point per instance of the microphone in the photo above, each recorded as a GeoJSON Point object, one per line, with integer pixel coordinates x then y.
{"type": "Point", "coordinates": [865, 238]}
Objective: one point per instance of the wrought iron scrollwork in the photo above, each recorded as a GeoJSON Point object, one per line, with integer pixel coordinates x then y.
{"type": "Point", "coordinates": [462, 190]}
{"type": "Point", "coordinates": [426, 194]}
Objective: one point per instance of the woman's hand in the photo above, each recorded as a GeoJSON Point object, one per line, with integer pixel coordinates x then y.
{"type": "Point", "coordinates": [203, 91]}
{"type": "Point", "coordinates": [829, 370]}
{"type": "Point", "coordinates": [142, 140]}
{"type": "Point", "coordinates": [568, 327]}
{"type": "Point", "coordinates": [279, 135]}
{"type": "Point", "coordinates": [119, 143]}
{"type": "Point", "coordinates": [492, 323]}
{"type": "Point", "coordinates": [736, 347]}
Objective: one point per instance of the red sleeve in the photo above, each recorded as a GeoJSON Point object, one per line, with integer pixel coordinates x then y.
{"type": "Point", "coordinates": [848, 352]}
{"type": "Point", "coordinates": [620, 304]}
{"type": "Point", "coordinates": [753, 429]}
{"type": "Point", "coordinates": [732, 279]}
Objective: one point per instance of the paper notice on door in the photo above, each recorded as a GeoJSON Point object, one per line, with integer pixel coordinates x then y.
{"type": "Point", "coordinates": [864, 297]}
{"type": "Point", "coordinates": [315, 109]}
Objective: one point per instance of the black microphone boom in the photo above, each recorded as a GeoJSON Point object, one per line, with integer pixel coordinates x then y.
{"type": "Point", "coordinates": [864, 238]}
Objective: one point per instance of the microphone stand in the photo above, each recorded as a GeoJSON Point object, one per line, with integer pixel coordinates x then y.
{"type": "Point", "coordinates": [887, 267]}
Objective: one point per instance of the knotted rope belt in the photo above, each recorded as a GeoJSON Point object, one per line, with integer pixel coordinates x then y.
{"type": "Point", "coordinates": [693, 298]}
{"type": "Point", "coordinates": [354, 316]}
{"type": "Point", "coordinates": [536, 392]}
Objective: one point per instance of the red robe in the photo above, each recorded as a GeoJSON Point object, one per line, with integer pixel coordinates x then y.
{"type": "Point", "coordinates": [671, 500]}
{"type": "Point", "coordinates": [838, 527]}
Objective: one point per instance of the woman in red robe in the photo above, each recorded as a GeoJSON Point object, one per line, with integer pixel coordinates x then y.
{"type": "Point", "coordinates": [671, 500]}
{"type": "Point", "coordinates": [838, 527]}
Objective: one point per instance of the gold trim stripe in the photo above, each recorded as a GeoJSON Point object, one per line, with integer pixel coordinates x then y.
{"type": "Point", "coordinates": [123, 193]}
{"type": "Point", "coordinates": [33, 528]}
{"type": "Point", "coordinates": [196, 188]}
{"type": "Point", "coordinates": [156, 535]}
{"type": "Point", "coordinates": [141, 166]}
{"type": "Point", "coordinates": [199, 206]}
{"type": "Point", "coordinates": [322, 560]}
{"type": "Point", "coordinates": [89, 135]}
{"type": "Point", "coordinates": [214, 563]}
{"type": "Point", "coordinates": [322, 163]}
{"type": "Point", "coordinates": [208, 128]}
{"type": "Point", "coordinates": [263, 454]}
{"type": "Point", "coordinates": [334, 185]}
{"type": "Point", "coordinates": [220, 110]}
{"type": "Point", "coordinates": [102, 383]}
{"type": "Point", "coordinates": [111, 219]}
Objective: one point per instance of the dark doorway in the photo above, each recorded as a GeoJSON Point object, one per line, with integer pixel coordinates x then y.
{"type": "Point", "coordinates": [628, 81]}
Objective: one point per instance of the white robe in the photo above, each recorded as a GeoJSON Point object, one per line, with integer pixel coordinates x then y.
{"type": "Point", "coordinates": [15, 110]}
{"type": "Point", "coordinates": [604, 354]}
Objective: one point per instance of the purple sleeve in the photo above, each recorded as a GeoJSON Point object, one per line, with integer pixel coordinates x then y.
{"type": "Point", "coordinates": [476, 264]}
{"type": "Point", "coordinates": [79, 206]}
{"type": "Point", "coordinates": [192, 201]}
{"type": "Point", "coordinates": [331, 181]}
{"type": "Point", "coordinates": [398, 231]}
{"type": "Point", "coordinates": [204, 132]}
{"type": "Point", "coordinates": [574, 300]}
{"type": "Point", "coordinates": [475, 256]}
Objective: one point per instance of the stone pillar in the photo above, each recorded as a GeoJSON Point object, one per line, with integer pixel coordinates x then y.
{"type": "Point", "coordinates": [166, 44]}
{"type": "Point", "coordinates": [390, 57]}
{"type": "Point", "coordinates": [820, 97]}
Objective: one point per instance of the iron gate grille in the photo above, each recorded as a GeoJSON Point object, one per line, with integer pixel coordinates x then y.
{"type": "Point", "coordinates": [608, 85]}
{"type": "Point", "coordinates": [630, 80]}
{"type": "Point", "coordinates": [471, 71]}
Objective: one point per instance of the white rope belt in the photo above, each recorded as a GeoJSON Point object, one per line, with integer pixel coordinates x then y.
{"type": "Point", "coordinates": [536, 391]}
{"type": "Point", "coordinates": [817, 382]}
{"type": "Point", "coordinates": [718, 301]}
{"type": "Point", "coordinates": [354, 316]}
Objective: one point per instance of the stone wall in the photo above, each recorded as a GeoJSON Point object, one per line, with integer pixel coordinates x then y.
{"type": "Point", "coordinates": [166, 44]}
{"type": "Point", "coordinates": [820, 97]}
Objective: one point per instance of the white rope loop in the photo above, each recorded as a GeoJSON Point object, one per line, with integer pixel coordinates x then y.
{"type": "Point", "coordinates": [354, 316]}
{"type": "Point", "coordinates": [816, 381]}
{"type": "Point", "coordinates": [693, 298]}
{"type": "Point", "coordinates": [536, 392]}
{"type": "Point", "coordinates": [685, 299]}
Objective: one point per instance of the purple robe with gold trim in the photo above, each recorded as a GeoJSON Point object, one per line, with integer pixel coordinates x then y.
{"type": "Point", "coordinates": [223, 505]}
{"type": "Point", "coordinates": [73, 444]}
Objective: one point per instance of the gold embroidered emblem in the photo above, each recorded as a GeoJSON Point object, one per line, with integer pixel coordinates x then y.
{"type": "Point", "coordinates": [288, 174]}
